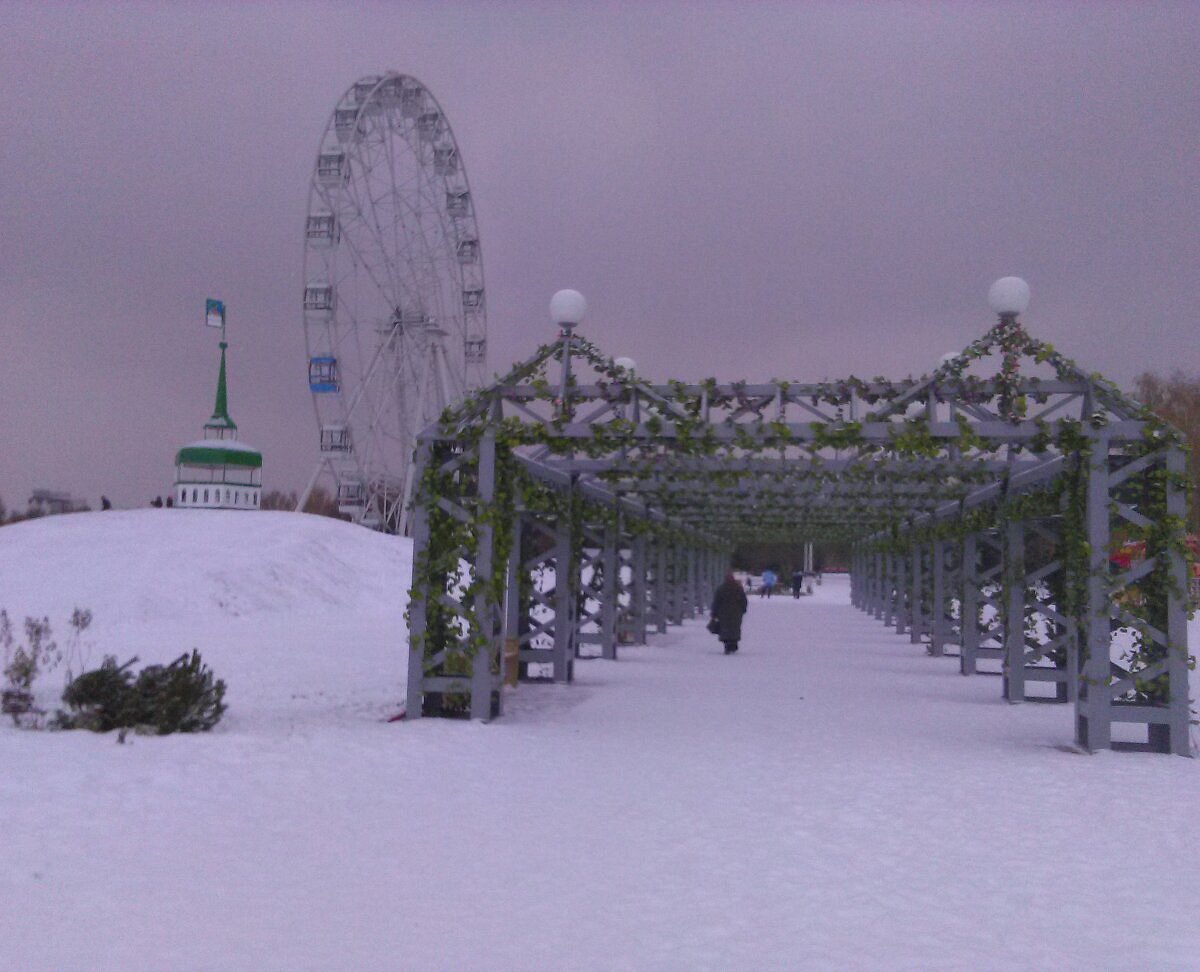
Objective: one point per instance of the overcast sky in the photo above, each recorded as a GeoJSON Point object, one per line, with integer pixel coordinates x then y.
{"type": "Point", "coordinates": [749, 190]}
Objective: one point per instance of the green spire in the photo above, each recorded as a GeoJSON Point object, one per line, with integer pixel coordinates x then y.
{"type": "Point", "coordinates": [220, 416]}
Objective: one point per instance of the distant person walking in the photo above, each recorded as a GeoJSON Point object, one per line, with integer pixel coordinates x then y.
{"type": "Point", "coordinates": [768, 583]}
{"type": "Point", "coordinates": [797, 582]}
{"type": "Point", "coordinates": [728, 606]}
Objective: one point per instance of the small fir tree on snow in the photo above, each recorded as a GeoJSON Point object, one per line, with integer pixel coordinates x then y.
{"type": "Point", "coordinates": [180, 697]}
{"type": "Point", "coordinates": [98, 698]}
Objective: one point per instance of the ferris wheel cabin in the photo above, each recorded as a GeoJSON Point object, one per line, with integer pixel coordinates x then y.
{"type": "Point", "coordinates": [429, 125]}
{"type": "Point", "coordinates": [332, 169]}
{"type": "Point", "coordinates": [318, 301]}
{"type": "Point", "coordinates": [323, 374]}
{"type": "Point", "coordinates": [445, 160]}
{"type": "Point", "coordinates": [321, 229]}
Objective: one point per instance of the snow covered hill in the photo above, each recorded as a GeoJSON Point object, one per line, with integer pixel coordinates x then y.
{"type": "Point", "coordinates": [829, 797]}
{"type": "Point", "coordinates": [281, 605]}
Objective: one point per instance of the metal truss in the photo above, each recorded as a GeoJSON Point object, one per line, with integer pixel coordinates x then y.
{"type": "Point", "coordinates": [570, 508]}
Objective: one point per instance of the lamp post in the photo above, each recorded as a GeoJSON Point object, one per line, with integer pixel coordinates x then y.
{"type": "Point", "coordinates": [567, 308]}
{"type": "Point", "coordinates": [1009, 297]}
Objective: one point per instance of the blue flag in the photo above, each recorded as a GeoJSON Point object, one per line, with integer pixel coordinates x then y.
{"type": "Point", "coordinates": [214, 313]}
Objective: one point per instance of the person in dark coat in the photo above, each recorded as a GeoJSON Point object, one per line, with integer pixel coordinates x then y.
{"type": "Point", "coordinates": [728, 606]}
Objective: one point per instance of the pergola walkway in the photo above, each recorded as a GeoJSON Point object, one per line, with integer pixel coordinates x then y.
{"type": "Point", "coordinates": [1004, 481]}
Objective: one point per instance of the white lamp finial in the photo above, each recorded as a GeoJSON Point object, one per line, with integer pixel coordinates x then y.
{"type": "Point", "coordinates": [567, 308]}
{"type": "Point", "coordinates": [626, 364]}
{"type": "Point", "coordinates": [1009, 296]}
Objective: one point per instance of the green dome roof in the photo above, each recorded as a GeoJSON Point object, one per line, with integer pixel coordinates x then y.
{"type": "Point", "coordinates": [219, 452]}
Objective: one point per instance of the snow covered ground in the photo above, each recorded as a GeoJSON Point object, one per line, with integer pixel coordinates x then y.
{"type": "Point", "coordinates": [830, 797]}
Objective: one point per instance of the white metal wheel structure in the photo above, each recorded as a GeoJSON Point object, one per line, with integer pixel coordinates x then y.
{"type": "Point", "coordinates": [394, 306]}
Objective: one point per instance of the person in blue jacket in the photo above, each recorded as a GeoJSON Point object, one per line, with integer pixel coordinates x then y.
{"type": "Point", "coordinates": [768, 583]}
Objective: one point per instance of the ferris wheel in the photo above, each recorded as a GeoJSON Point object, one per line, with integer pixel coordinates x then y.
{"type": "Point", "coordinates": [394, 313]}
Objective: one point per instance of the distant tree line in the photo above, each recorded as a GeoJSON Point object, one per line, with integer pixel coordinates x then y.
{"type": "Point", "coordinates": [784, 558]}
{"type": "Point", "coordinates": [16, 516]}
{"type": "Point", "coordinates": [319, 502]}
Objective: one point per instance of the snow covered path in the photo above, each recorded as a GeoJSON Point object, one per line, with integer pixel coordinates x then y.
{"type": "Point", "coordinates": [829, 797]}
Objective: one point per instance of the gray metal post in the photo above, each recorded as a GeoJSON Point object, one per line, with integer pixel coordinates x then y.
{"type": "Point", "coordinates": [637, 590]}
{"type": "Point", "coordinates": [566, 580]}
{"type": "Point", "coordinates": [681, 583]}
{"type": "Point", "coordinates": [689, 603]}
{"type": "Point", "coordinates": [937, 617]}
{"type": "Point", "coordinates": [669, 597]}
{"type": "Point", "coordinates": [694, 583]}
{"type": "Point", "coordinates": [706, 582]}
{"type": "Point", "coordinates": [916, 624]}
{"type": "Point", "coordinates": [1093, 720]}
{"type": "Point", "coordinates": [484, 682]}
{"type": "Point", "coordinates": [512, 585]}
{"type": "Point", "coordinates": [889, 590]}
{"type": "Point", "coordinates": [661, 587]}
{"type": "Point", "coordinates": [901, 616]}
{"type": "Point", "coordinates": [691, 585]}
{"type": "Point", "coordinates": [1177, 616]}
{"type": "Point", "coordinates": [678, 571]}
{"type": "Point", "coordinates": [1014, 611]}
{"type": "Point", "coordinates": [689, 582]}
{"type": "Point", "coordinates": [609, 606]}
{"type": "Point", "coordinates": [895, 579]}
{"type": "Point", "coordinates": [693, 580]}
{"type": "Point", "coordinates": [1176, 626]}
{"type": "Point", "coordinates": [872, 575]}
{"type": "Point", "coordinates": [416, 608]}
{"type": "Point", "coordinates": [969, 605]}
{"type": "Point", "coordinates": [881, 588]}
{"type": "Point", "coordinates": [511, 629]}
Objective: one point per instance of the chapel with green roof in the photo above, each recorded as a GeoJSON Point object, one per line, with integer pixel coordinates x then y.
{"type": "Point", "coordinates": [218, 472]}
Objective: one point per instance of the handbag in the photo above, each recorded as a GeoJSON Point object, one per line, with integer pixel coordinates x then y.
{"type": "Point", "coordinates": [714, 626]}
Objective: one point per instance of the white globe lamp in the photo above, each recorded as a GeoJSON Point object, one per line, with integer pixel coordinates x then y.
{"type": "Point", "coordinates": [1009, 296]}
{"type": "Point", "coordinates": [626, 364]}
{"type": "Point", "coordinates": [567, 308]}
